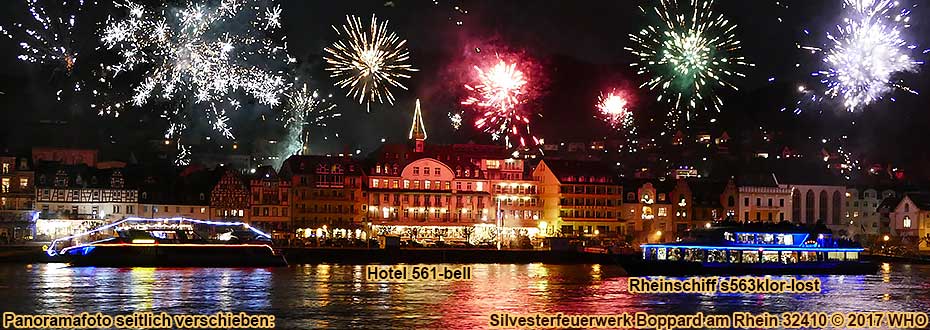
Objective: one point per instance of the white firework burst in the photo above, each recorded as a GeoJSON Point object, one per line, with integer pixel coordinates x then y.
{"type": "Point", "coordinates": [200, 57]}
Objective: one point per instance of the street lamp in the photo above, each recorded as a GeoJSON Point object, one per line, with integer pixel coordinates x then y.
{"type": "Point", "coordinates": [886, 238]}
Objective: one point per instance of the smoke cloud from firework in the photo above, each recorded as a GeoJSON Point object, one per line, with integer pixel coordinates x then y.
{"type": "Point", "coordinates": [306, 109]}
{"type": "Point", "coordinates": [204, 59]}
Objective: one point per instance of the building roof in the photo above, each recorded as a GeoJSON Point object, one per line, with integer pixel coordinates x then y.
{"type": "Point", "coordinates": [920, 199]}
{"type": "Point", "coordinates": [308, 165]}
{"type": "Point", "coordinates": [58, 175]}
{"type": "Point", "coordinates": [573, 170]}
{"type": "Point", "coordinates": [190, 185]}
{"type": "Point", "coordinates": [890, 203]}
{"type": "Point", "coordinates": [417, 129]}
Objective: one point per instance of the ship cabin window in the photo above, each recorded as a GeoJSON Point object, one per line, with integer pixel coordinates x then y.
{"type": "Point", "coordinates": [805, 256]}
{"type": "Point", "coordinates": [648, 254]}
{"type": "Point", "coordinates": [789, 257]}
{"type": "Point", "coordinates": [674, 254]}
{"type": "Point", "coordinates": [660, 255]}
{"type": "Point", "coordinates": [837, 256]}
{"type": "Point", "coordinates": [750, 257]}
{"type": "Point", "coordinates": [694, 254]}
{"type": "Point", "coordinates": [716, 255]}
{"type": "Point", "coordinates": [785, 239]}
{"type": "Point", "coordinates": [852, 255]}
{"type": "Point", "coordinates": [769, 256]}
{"type": "Point", "coordinates": [735, 256]}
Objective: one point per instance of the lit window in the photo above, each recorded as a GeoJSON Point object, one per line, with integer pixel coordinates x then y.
{"type": "Point", "coordinates": [480, 186]}
{"type": "Point", "coordinates": [426, 184]}
{"type": "Point", "coordinates": [907, 222]}
{"type": "Point", "coordinates": [23, 183]}
{"type": "Point", "coordinates": [406, 184]}
{"type": "Point", "coordinates": [662, 212]}
{"type": "Point", "coordinates": [374, 183]}
{"type": "Point", "coordinates": [6, 168]}
{"type": "Point", "coordinates": [5, 185]}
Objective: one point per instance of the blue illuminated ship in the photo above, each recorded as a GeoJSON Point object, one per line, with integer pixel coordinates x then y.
{"type": "Point", "coordinates": [170, 242]}
{"type": "Point", "coordinates": [731, 248]}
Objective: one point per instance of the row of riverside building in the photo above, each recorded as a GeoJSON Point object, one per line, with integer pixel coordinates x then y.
{"type": "Point", "coordinates": [423, 192]}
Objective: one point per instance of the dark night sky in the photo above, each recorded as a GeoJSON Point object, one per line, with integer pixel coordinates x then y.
{"type": "Point", "coordinates": [579, 45]}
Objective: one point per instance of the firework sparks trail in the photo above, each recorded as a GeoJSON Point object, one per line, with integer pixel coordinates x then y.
{"type": "Point", "coordinates": [499, 96]}
{"type": "Point", "coordinates": [306, 109]}
{"type": "Point", "coordinates": [49, 41]}
{"type": "Point", "coordinates": [455, 119]}
{"type": "Point", "coordinates": [368, 62]}
{"type": "Point", "coordinates": [690, 55]}
{"type": "Point", "coordinates": [614, 108]}
{"type": "Point", "coordinates": [867, 51]}
{"type": "Point", "coordinates": [200, 54]}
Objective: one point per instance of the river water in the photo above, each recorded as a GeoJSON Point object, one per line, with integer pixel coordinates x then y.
{"type": "Point", "coordinates": [339, 296]}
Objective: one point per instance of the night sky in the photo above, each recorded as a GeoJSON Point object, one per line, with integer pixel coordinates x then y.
{"type": "Point", "coordinates": [579, 46]}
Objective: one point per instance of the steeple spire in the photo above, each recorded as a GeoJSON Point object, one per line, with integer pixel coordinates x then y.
{"type": "Point", "coordinates": [417, 129]}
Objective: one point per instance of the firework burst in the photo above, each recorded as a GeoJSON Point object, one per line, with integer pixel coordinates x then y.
{"type": "Point", "coordinates": [866, 53]}
{"type": "Point", "coordinates": [499, 96]}
{"type": "Point", "coordinates": [690, 55]}
{"type": "Point", "coordinates": [200, 55]}
{"type": "Point", "coordinates": [614, 108]}
{"type": "Point", "coordinates": [368, 62]}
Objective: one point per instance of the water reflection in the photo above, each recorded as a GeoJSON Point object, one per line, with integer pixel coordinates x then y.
{"type": "Point", "coordinates": [315, 296]}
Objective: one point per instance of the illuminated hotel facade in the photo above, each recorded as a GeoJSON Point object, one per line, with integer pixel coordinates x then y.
{"type": "Point", "coordinates": [452, 193]}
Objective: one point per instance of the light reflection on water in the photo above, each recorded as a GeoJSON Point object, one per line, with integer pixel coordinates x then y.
{"type": "Point", "coordinates": [314, 296]}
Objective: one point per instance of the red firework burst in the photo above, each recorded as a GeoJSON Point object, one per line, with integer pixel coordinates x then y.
{"type": "Point", "coordinates": [499, 95]}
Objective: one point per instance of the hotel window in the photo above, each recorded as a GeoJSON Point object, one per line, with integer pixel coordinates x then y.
{"type": "Point", "coordinates": [416, 184]}
{"type": "Point", "coordinates": [406, 184]}
{"type": "Point", "coordinates": [23, 183]}
{"type": "Point", "coordinates": [394, 184]}
{"type": "Point", "coordinates": [6, 168]}
{"type": "Point", "coordinates": [458, 186]}
{"type": "Point", "coordinates": [746, 201]}
{"type": "Point", "coordinates": [907, 222]}
{"type": "Point", "coordinates": [5, 185]}
{"type": "Point", "coordinates": [480, 186]}
{"type": "Point", "coordinates": [374, 183]}
{"type": "Point", "coordinates": [662, 212]}
{"type": "Point", "coordinates": [436, 171]}
{"type": "Point", "coordinates": [781, 202]}
{"type": "Point", "coordinates": [470, 186]}
{"type": "Point", "coordinates": [426, 184]}
{"type": "Point", "coordinates": [416, 171]}
{"type": "Point", "coordinates": [426, 171]}
{"type": "Point", "coordinates": [758, 201]}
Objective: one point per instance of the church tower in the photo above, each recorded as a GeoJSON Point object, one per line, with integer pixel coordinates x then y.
{"type": "Point", "coordinates": [417, 129]}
